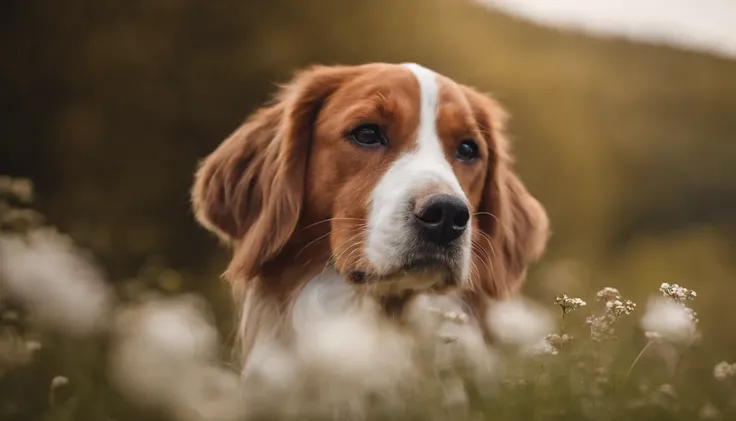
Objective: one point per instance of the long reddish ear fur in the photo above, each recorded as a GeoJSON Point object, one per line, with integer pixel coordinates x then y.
{"type": "Point", "coordinates": [250, 190]}
{"type": "Point", "coordinates": [514, 225]}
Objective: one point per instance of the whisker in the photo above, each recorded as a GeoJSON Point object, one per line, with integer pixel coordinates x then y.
{"type": "Point", "coordinates": [324, 221]}
{"type": "Point", "coordinates": [360, 226]}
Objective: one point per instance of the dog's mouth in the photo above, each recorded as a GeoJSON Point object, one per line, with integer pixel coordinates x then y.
{"type": "Point", "coordinates": [425, 274]}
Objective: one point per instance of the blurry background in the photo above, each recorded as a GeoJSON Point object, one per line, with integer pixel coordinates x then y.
{"type": "Point", "coordinates": [108, 105]}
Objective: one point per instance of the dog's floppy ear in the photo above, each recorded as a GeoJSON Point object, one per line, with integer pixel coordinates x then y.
{"type": "Point", "coordinates": [514, 225]}
{"type": "Point", "coordinates": [250, 190]}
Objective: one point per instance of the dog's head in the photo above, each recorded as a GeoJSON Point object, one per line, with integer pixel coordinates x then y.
{"type": "Point", "coordinates": [394, 174]}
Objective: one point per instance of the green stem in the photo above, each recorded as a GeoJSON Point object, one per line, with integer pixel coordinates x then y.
{"type": "Point", "coordinates": [643, 350]}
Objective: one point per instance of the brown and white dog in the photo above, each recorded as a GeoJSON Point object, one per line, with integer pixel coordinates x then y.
{"type": "Point", "coordinates": [389, 180]}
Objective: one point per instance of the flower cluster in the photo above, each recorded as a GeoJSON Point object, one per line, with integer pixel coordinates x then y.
{"type": "Point", "coordinates": [569, 304]}
{"type": "Point", "coordinates": [620, 308]}
{"type": "Point", "coordinates": [551, 344]}
{"type": "Point", "coordinates": [676, 292]}
{"type": "Point", "coordinates": [602, 326]}
{"type": "Point", "coordinates": [668, 319]}
{"type": "Point", "coordinates": [607, 294]}
{"type": "Point", "coordinates": [724, 370]}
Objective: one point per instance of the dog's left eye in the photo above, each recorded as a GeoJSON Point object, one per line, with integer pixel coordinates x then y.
{"type": "Point", "coordinates": [368, 135]}
{"type": "Point", "coordinates": [467, 151]}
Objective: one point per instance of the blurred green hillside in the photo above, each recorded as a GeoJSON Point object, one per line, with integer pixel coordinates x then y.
{"type": "Point", "coordinates": [108, 105]}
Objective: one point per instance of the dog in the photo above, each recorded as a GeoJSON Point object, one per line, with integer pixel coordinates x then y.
{"type": "Point", "coordinates": [380, 183]}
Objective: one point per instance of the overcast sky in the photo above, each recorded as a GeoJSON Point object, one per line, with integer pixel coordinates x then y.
{"type": "Point", "coordinates": [708, 25]}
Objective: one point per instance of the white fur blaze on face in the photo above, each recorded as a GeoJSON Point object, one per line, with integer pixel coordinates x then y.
{"type": "Point", "coordinates": [389, 233]}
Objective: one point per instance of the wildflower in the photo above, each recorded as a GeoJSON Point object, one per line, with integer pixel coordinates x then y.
{"type": "Point", "coordinates": [543, 347]}
{"type": "Point", "coordinates": [519, 323]}
{"type": "Point", "coordinates": [58, 382]}
{"type": "Point", "coordinates": [724, 370]}
{"type": "Point", "coordinates": [620, 308]}
{"type": "Point", "coordinates": [676, 292]}
{"type": "Point", "coordinates": [164, 354]}
{"type": "Point", "coordinates": [558, 340]}
{"type": "Point", "coordinates": [669, 321]}
{"type": "Point", "coordinates": [47, 273]}
{"type": "Point", "coordinates": [33, 346]}
{"type": "Point", "coordinates": [608, 294]}
{"type": "Point", "coordinates": [602, 326]}
{"type": "Point", "coordinates": [569, 304]}
{"type": "Point", "coordinates": [551, 344]}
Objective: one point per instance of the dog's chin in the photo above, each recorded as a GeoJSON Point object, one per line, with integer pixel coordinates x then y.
{"type": "Point", "coordinates": [420, 276]}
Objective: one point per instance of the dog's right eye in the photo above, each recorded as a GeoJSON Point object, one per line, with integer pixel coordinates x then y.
{"type": "Point", "coordinates": [368, 135]}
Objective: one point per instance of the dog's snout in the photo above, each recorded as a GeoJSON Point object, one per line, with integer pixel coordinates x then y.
{"type": "Point", "coordinates": [443, 218]}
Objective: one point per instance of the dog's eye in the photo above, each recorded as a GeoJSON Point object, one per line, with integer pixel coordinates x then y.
{"type": "Point", "coordinates": [368, 135]}
{"type": "Point", "coordinates": [467, 151]}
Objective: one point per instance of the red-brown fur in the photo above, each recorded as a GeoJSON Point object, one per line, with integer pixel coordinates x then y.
{"type": "Point", "coordinates": [290, 194]}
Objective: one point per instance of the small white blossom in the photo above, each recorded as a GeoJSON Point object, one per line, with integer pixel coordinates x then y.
{"type": "Point", "coordinates": [602, 327]}
{"type": "Point", "coordinates": [58, 382]}
{"type": "Point", "coordinates": [619, 307]}
{"type": "Point", "coordinates": [33, 346]}
{"type": "Point", "coordinates": [569, 304]}
{"type": "Point", "coordinates": [62, 288]}
{"type": "Point", "coordinates": [677, 292]}
{"type": "Point", "coordinates": [724, 370]}
{"type": "Point", "coordinates": [670, 321]}
{"type": "Point", "coordinates": [558, 340]}
{"type": "Point", "coordinates": [551, 344]}
{"type": "Point", "coordinates": [519, 322]}
{"type": "Point", "coordinates": [608, 293]}
{"type": "Point", "coordinates": [543, 347]}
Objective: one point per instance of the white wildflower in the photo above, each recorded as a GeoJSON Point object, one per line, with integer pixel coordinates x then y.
{"type": "Point", "coordinates": [58, 382]}
{"type": "Point", "coordinates": [164, 355]}
{"type": "Point", "coordinates": [558, 341]}
{"type": "Point", "coordinates": [670, 321]}
{"type": "Point", "coordinates": [608, 293]}
{"type": "Point", "coordinates": [569, 304]}
{"type": "Point", "coordinates": [620, 308]}
{"type": "Point", "coordinates": [519, 322]}
{"type": "Point", "coordinates": [724, 370]}
{"type": "Point", "coordinates": [677, 292]}
{"type": "Point", "coordinates": [48, 274]}
{"type": "Point", "coordinates": [341, 349]}
{"type": "Point", "coordinates": [602, 327]}
{"type": "Point", "coordinates": [33, 346]}
{"type": "Point", "coordinates": [543, 347]}
{"type": "Point", "coordinates": [551, 344]}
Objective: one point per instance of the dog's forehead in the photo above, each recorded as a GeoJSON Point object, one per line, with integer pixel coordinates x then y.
{"type": "Point", "coordinates": [396, 81]}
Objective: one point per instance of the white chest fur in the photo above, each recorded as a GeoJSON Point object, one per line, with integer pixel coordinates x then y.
{"type": "Point", "coordinates": [338, 343]}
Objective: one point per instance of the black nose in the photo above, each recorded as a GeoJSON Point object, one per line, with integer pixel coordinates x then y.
{"type": "Point", "coordinates": [443, 218]}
